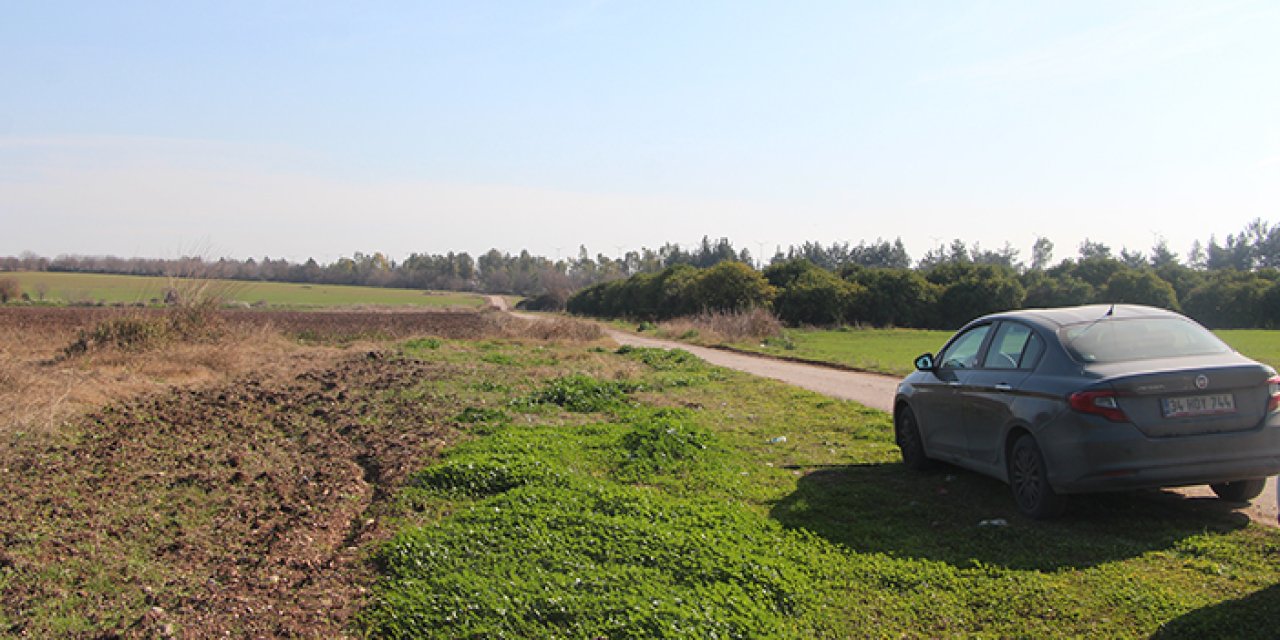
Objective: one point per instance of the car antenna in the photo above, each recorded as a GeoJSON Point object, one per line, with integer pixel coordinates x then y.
{"type": "Point", "coordinates": [1110, 312]}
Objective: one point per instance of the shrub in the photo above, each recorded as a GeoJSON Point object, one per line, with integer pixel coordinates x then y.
{"type": "Point", "coordinates": [783, 274]}
{"type": "Point", "coordinates": [9, 289]}
{"type": "Point", "coordinates": [733, 286]}
{"type": "Point", "coordinates": [549, 301]}
{"type": "Point", "coordinates": [1140, 287]}
{"type": "Point", "coordinates": [817, 297]}
{"type": "Point", "coordinates": [1229, 299]}
{"type": "Point", "coordinates": [130, 333]}
{"type": "Point", "coordinates": [973, 290]}
{"type": "Point", "coordinates": [892, 297]}
{"type": "Point", "coordinates": [1044, 291]}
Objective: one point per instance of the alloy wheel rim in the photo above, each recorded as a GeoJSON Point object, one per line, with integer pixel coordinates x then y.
{"type": "Point", "coordinates": [1027, 477]}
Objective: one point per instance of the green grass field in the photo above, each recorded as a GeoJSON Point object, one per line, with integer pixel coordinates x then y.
{"type": "Point", "coordinates": [658, 499]}
{"type": "Point", "coordinates": [1261, 345]}
{"type": "Point", "coordinates": [893, 351]}
{"type": "Point", "coordinates": [70, 288]}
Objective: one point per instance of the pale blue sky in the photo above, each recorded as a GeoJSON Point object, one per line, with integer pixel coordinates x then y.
{"type": "Point", "coordinates": [300, 129]}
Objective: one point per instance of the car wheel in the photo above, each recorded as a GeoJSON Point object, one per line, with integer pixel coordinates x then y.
{"type": "Point", "coordinates": [906, 432]}
{"type": "Point", "coordinates": [1029, 480]}
{"type": "Point", "coordinates": [1239, 490]}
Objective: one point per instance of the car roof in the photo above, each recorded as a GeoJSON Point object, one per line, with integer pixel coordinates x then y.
{"type": "Point", "coordinates": [1059, 317]}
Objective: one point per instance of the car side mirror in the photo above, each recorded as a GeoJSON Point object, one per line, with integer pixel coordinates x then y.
{"type": "Point", "coordinates": [925, 362]}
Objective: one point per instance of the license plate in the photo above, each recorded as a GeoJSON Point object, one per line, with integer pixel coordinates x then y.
{"type": "Point", "coordinates": [1209, 405]}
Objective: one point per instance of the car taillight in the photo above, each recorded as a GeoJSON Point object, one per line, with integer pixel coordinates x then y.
{"type": "Point", "coordinates": [1100, 403]}
{"type": "Point", "coordinates": [1273, 387]}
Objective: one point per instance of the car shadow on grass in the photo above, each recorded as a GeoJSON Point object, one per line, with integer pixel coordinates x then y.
{"type": "Point", "coordinates": [959, 517]}
{"type": "Point", "coordinates": [1256, 615]}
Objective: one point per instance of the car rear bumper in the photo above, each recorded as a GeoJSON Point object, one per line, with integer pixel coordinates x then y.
{"type": "Point", "coordinates": [1101, 456]}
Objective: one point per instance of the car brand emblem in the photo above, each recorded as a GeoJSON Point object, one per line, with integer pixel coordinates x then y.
{"type": "Point", "coordinates": [1202, 381]}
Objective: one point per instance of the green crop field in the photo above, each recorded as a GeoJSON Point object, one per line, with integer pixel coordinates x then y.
{"type": "Point", "coordinates": [893, 351]}
{"type": "Point", "coordinates": [71, 288]}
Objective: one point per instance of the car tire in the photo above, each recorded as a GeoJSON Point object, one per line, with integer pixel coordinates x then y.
{"type": "Point", "coordinates": [1239, 490]}
{"type": "Point", "coordinates": [1029, 481]}
{"type": "Point", "coordinates": [906, 432]}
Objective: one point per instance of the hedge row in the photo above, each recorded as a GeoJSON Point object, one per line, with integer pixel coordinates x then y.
{"type": "Point", "coordinates": [944, 296]}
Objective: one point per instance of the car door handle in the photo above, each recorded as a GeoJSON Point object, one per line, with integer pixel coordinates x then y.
{"type": "Point", "coordinates": [953, 383]}
{"type": "Point", "coordinates": [1004, 387]}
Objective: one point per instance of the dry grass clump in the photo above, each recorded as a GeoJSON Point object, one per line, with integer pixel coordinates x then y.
{"type": "Point", "coordinates": [718, 327]}
{"type": "Point", "coordinates": [554, 329]}
{"type": "Point", "coordinates": [42, 387]}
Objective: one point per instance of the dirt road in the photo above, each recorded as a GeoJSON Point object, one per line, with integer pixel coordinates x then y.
{"type": "Point", "coordinates": [872, 390]}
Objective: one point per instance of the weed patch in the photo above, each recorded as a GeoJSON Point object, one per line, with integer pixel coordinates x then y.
{"type": "Point", "coordinates": [666, 441]}
{"type": "Point", "coordinates": [473, 415]}
{"type": "Point", "coordinates": [581, 394]}
{"type": "Point", "coordinates": [423, 344]}
{"type": "Point", "coordinates": [662, 359]}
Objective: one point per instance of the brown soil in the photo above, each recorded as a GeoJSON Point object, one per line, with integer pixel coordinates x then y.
{"type": "Point", "coordinates": [229, 497]}
{"type": "Point", "coordinates": [235, 509]}
{"type": "Point", "coordinates": [40, 388]}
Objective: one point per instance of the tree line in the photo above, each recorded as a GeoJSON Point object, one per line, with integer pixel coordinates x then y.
{"type": "Point", "coordinates": [492, 272]}
{"type": "Point", "coordinates": [1231, 283]}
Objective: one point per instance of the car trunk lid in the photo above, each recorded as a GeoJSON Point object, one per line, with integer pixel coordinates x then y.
{"type": "Point", "coordinates": [1182, 398]}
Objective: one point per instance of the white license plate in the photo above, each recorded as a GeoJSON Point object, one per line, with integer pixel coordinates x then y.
{"type": "Point", "coordinates": [1214, 404]}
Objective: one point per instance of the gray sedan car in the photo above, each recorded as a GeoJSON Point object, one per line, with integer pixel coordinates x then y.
{"type": "Point", "coordinates": [1094, 398]}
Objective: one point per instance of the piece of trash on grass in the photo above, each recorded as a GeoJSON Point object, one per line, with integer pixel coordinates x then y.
{"type": "Point", "coordinates": [778, 440]}
{"type": "Point", "coordinates": [994, 522]}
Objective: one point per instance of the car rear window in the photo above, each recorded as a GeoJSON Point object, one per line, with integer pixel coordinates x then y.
{"type": "Point", "coordinates": [1123, 339]}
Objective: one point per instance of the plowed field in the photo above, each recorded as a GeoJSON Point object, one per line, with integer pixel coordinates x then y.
{"type": "Point", "coordinates": [230, 504]}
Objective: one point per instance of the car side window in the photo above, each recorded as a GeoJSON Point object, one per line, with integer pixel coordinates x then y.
{"type": "Point", "coordinates": [964, 350]}
{"type": "Point", "coordinates": [1031, 355]}
{"type": "Point", "coordinates": [1014, 346]}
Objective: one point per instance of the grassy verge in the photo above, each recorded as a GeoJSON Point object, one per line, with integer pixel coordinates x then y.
{"type": "Point", "coordinates": [892, 351]}
{"type": "Point", "coordinates": [888, 351]}
{"type": "Point", "coordinates": [1260, 344]}
{"type": "Point", "coordinates": [646, 495]}
{"type": "Point", "coordinates": [75, 288]}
